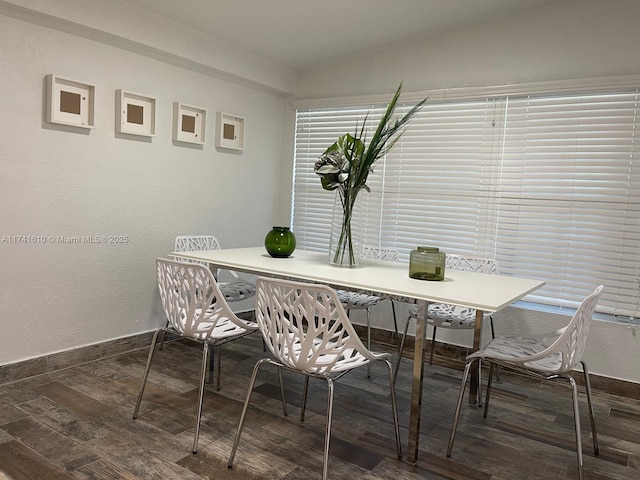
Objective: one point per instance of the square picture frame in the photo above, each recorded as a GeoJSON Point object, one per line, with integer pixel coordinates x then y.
{"type": "Point", "coordinates": [189, 123]}
{"type": "Point", "coordinates": [135, 114]}
{"type": "Point", "coordinates": [229, 131]}
{"type": "Point", "coordinates": [70, 102]}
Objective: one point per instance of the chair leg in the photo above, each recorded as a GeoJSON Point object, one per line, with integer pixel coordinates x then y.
{"type": "Point", "coordinates": [433, 345]}
{"type": "Point", "coordinates": [576, 419]}
{"type": "Point", "coordinates": [368, 342]}
{"type": "Point", "coordinates": [218, 355]}
{"type": "Point", "coordinates": [395, 321]}
{"type": "Point", "coordinates": [401, 349]}
{"type": "Point", "coordinates": [479, 386]}
{"type": "Point", "coordinates": [492, 367]}
{"type": "Point", "coordinates": [243, 415]}
{"type": "Point", "coordinates": [284, 400]}
{"type": "Point", "coordinates": [163, 335]}
{"type": "Point", "coordinates": [203, 375]}
{"type": "Point", "coordinates": [592, 416]}
{"type": "Point", "coordinates": [305, 390]}
{"type": "Point", "coordinates": [456, 417]}
{"type": "Point", "coordinates": [327, 433]}
{"type": "Point", "coordinates": [146, 370]}
{"type": "Point", "coordinates": [212, 367]}
{"type": "Point", "coordinates": [394, 407]}
{"type": "Point", "coordinates": [493, 336]}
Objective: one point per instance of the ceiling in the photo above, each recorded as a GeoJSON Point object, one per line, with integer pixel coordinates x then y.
{"type": "Point", "coordinates": [302, 33]}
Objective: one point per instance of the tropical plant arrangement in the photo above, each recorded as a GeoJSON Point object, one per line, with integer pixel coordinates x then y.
{"type": "Point", "coordinates": [346, 165]}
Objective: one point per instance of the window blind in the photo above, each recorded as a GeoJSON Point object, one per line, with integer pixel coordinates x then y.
{"type": "Point", "coordinates": [546, 184]}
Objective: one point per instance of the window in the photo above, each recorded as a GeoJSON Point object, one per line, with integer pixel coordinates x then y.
{"type": "Point", "coordinates": [546, 183]}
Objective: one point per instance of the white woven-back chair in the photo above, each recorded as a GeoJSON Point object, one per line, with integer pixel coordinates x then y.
{"type": "Point", "coordinates": [549, 356]}
{"type": "Point", "coordinates": [234, 290]}
{"type": "Point", "coordinates": [308, 332]}
{"type": "Point", "coordinates": [195, 309]}
{"type": "Point", "coordinates": [361, 301]}
{"type": "Point", "coordinates": [442, 315]}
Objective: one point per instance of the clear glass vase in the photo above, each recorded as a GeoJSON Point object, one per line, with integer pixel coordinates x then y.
{"type": "Point", "coordinates": [344, 243]}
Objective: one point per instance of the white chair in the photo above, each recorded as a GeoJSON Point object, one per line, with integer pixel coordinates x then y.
{"type": "Point", "coordinates": [361, 301]}
{"type": "Point", "coordinates": [441, 315]}
{"type": "Point", "coordinates": [549, 356]}
{"type": "Point", "coordinates": [234, 290]}
{"type": "Point", "coordinates": [195, 309]}
{"type": "Point", "coordinates": [237, 288]}
{"type": "Point", "coordinates": [308, 332]}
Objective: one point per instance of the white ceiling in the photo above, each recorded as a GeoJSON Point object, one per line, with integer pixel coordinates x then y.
{"type": "Point", "coordinates": [301, 33]}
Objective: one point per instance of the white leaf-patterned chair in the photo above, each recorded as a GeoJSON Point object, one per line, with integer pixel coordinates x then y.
{"type": "Point", "coordinates": [196, 310]}
{"type": "Point", "coordinates": [361, 301]}
{"type": "Point", "coordinates": [549, 356]}
{"type": "Point", "coordinates": [442, 315]}
{"type": "Point", "coordinates": [308, 332]}
{"type": "Point", "coordinates": [234, 290]}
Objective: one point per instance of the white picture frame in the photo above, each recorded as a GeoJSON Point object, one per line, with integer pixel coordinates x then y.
{"type": "Point", "coordinates": [229, 131]}
{"type": "Point", "coordinates": [135, 114]}
{"type": "Point", "coordinates": [70, 102]}
{"type": "Point", "coordinates": [189, 123]}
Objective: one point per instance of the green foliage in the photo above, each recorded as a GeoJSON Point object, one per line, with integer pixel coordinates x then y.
{"type": "Point", "coordinates": [347, 163]}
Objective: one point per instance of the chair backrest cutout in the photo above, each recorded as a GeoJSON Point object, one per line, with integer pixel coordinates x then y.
{"type": "Point", "coordinates": [191, 298]}
{"type": "Point", "coordinates": [306, 328]}
{"type": "Point", "coordinates": [375, 253]}
{"type": "Point", "coordinates": [573, 339]}
{"type": "Point", "coordinates": [472, 264]}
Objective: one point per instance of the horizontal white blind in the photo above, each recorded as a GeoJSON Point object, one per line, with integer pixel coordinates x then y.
{"type": "Point", "coordinates": [548, 185]}
{"type": "Point", "coordinates": [570, 196]}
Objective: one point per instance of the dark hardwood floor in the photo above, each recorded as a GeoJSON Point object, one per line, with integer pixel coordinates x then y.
{"type": "Point", "coordinates": [77, 424]}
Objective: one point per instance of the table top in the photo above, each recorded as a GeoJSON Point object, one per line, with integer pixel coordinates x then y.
{"type": "Point", "coordinates": [390, 279]}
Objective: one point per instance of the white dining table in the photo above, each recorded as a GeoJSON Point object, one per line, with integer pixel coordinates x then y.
{"type": "Point", "coordinates": [483, 292]}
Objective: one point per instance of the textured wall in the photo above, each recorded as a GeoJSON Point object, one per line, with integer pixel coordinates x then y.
{"type": "Point", "coordinates": [69, 182]}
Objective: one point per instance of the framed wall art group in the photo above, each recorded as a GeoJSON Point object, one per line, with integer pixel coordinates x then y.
{"type": "Point", "coordinates": [71, 103]}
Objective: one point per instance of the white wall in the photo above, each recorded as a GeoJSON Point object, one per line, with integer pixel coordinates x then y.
{"type": "Point", "coordinates": [566, 39]}
{"type": "Point", "coordinates": [65, 181]}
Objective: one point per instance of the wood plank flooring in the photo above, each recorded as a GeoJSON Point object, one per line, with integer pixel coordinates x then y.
{"type": "Point", "coordinates": [77, 424]}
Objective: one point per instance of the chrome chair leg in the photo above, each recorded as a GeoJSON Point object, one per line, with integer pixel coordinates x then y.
{"type": "Point", "coordinates": [368, 342]}
{"type": "Point", "coordinates": [284, 400]}
{"type": "Point", "coordinates": [305, 390]}
{"type": "Point", "coordinates": [479, 386]}
{"type": "Point", "coordinates": [456, 417]}
{"type": "Point", "coordinates": [203, 375]}
{"type": "Point", "coordinates": [395, 321]}
{"type": "Point", "coordinates": [576, 418]}
{"type": "Point", "coordinates": [433, 345]}
{"type": "Point", "coordinates": [493, 336]}
{"type": "Point", "coordinates": [146, 370]}
{"type": "Point", "coordinates": [245, 407]}
{"type": "Point", "coordinates": [163, 335]}
{"type": "Point", "coordinates": [401, 349]}
{"type": "Point", "coordinates": [212, 368]}
{"type": "Point", "coordinates": [492, 367]}
{"type": "Point", "coordinates": [218, 354]}
{"type": "Point", "coordinates": [592, 416]}
{"type": "Point", "coordinates": [327, 433]}
{"type": "Point", "coordinates": [394, 407]}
